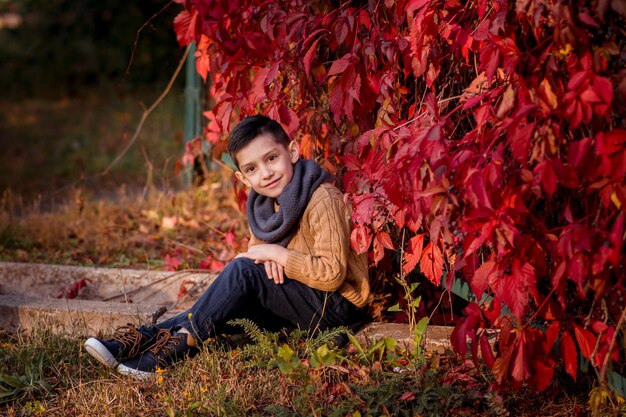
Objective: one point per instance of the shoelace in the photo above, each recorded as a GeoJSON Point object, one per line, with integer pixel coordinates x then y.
{"type": "Point", "coordinates": [130, 338]}
{"type": "Point", "coordinates": [165, 344]}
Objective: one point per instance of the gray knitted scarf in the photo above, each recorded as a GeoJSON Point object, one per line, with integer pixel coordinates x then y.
{"type": "Point", "coordinates": [279, 227]}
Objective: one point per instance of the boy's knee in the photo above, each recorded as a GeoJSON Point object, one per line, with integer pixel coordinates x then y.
{"type": "Point", "coordinates": [242, 264]}
{"type": "Point", "coordinates": [242, 267]}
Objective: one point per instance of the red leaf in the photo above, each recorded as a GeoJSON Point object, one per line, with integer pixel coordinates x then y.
{"type": "Point", "coordinates": [466, 328]}
{"type": "Point", "coordinates": [308, 57]}
{"type": "Point", "coordinates": [413, 253]}
{"type": "Point", "coordinates": [202, 57]}
{"type": "Point", "coordinates": [482, 276]}
{"type": "Point", "coordinates": [431, 263]}
{"type": "Point", "coordinates": [381, 241]}
{"type": "Point", "coordinates": [586, 341]}
{"type": "Point", "coordinates": [547, 176]}
{"type": "Point", "coordinates": [569, 354]}
{"type": "Point", "coordinates": [340, 65]}
{"type": "Point", "coordinates": [521, 366]}
{"type": "Point", "coordinates": [384, 239]}
{"type": "Point", "coordinates": [211, 264]}
{"type": "Point", "coordinates": [542, 373]}
{"type": "Point", "coordinates": [360, 238]}
{"type": "Point", "coordinates": [515, 290]}
{"type": "Point", "coordinates": [617, 240]}
{"type": "Point", "coordinates": [604, 91]}
{"type": "Point", "coordinates": [71, 291]}
{"type": "Point", "coordinates": [521, 137]}
{"type": "Point", "coordinates": [223, 112]}
{"type": "Point", "coordinates": [485, 351]}
{"type": "Point", "coordinates": [577, 268]}
{"type": "Point", "coordinates": [611, 142]}
{"type": "Point", "coordinates": [551, 335]}
{"type": "Point", "coordinates": [502, 364]}
{"type": "Point", "coordinates": [185, 26]}
{"type": "Point", "coordinates": [407, 396]}
{"type": "Point", "coordinates": [171, 263]}
{"type": "Point", "coordinates": [363, 208]}
{"type": "Point", "coordinates": [578, 151]}
{"type": "Point", "coordinates": [477, 192]}
{"type": "Point", "coordinates": [230, 238]}
{"type": "Point", "coordinates": [288, 119]}
{"type": "Point", "coordinates": [182, 289]}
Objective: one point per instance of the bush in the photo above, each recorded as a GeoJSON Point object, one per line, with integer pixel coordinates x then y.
{"type": "Point", "coordinates": [483, 139]}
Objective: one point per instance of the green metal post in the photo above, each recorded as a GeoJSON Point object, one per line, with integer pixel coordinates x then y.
{"type": "Point", "coordinates": [193, 110]}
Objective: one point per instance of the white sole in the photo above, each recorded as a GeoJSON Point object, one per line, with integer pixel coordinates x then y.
{"type": "Point", "coordinates": [135, 373]}
{"type": "Point", "coordinates": [100, 353]}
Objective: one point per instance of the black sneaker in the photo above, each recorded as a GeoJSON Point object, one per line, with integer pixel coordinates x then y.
{"type": "Point", "coordinates": [168, 349]}
{"type": "Point", "coordinates": [127, 342]}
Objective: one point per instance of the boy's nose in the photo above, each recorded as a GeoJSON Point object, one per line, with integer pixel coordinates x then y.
{"type": "Point", "coordinates": [265, 171]}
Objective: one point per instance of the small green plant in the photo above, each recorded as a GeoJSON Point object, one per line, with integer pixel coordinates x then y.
{"type": "Point", "coordinates": [265, 342]}
{"type": "Point", "coordinates": [417, 328]}
{"type": "Point", "coordinates": [16, 387]}
{"type": "Point", "coordinates": [29, 385]}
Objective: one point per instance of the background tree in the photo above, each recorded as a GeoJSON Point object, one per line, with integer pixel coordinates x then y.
{"type": "Point", "coordinates": [61, 47]}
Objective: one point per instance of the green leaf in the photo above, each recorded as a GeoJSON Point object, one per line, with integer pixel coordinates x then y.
{"type": "Point", "coordinates": [390, 343]}
{"type": "Point", "coordinates": [420, 327]}
{"type": "Point", "coordinates": [395, 309]}
{"type": "Point", "coordinates": [417, 301]}
{"type": "Point", "coordinates": [357, 345]}
{"type": "Point", "coordinates": [285, 352]}
{"type": "Point", "coordinates": [376, 346]}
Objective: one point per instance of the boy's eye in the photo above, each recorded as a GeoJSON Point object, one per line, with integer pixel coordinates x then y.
{"type": "Point", "coordinates": [248, 170]}
{"type": "Point", "coordinates": [272, 157]}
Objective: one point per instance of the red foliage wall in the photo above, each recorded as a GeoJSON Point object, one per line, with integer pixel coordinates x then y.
{"type": "Point", "coordinates": [489, 135]}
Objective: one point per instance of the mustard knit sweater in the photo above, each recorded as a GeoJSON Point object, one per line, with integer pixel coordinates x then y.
{"type": "Point", "coordinates": [320, 255]}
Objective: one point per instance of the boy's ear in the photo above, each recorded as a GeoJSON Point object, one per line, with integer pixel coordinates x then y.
{"type": "Point", "coordinates": [294, 151]}
{"type": "Point", "coordinates": [241, 178]}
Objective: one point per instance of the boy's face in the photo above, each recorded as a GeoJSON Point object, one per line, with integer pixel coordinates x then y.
{"type": "Point", "coordinates": [266, 165]}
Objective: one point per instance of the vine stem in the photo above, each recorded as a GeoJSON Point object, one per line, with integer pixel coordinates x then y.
{"type": "Point", "coordinates": [147, 112]}
{"type": "Point", "coordinates": [605, 365]}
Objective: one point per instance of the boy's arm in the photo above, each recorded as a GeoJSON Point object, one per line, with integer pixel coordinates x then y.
{"type": "Point", "coordinates": [323, 266]}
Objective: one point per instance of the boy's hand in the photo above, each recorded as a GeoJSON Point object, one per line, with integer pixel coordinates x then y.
{"type": "Point", "coordinates": [274, 271]}
{"type": "Point", "coordinates": [274, 257]}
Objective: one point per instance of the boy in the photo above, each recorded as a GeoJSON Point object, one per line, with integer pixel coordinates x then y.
{"type": "Point", "coordinates": [299, 270]}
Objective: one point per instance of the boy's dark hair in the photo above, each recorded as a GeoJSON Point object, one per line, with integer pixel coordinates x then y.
{"type": "Point", "coordinates": [251, 127]}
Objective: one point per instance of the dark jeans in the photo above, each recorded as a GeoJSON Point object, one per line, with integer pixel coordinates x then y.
{"type": "Point", "coordinates": [243, 290]}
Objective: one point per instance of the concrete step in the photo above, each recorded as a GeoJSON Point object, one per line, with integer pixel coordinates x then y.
{"type": "Point", "coordinates": [115, 297]}
{"type": "Point", "coordinates": [111, 296]}
{"type": "Point", "coordinates": [68, 316]}
{"type": "Point", "coordinates": [436, 338]}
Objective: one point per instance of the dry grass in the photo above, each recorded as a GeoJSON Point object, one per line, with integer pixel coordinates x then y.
{"type": "Point", "coordinates": [237, 380]}
{"type": "Point", "coordinates": [130, 231]}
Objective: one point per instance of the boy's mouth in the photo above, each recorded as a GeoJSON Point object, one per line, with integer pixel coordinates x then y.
{"type": "Point", "coordinates": [272, 184]}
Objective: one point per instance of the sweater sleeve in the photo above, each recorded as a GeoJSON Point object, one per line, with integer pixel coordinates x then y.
{"type": "Point", "coordinates": [322, 264]}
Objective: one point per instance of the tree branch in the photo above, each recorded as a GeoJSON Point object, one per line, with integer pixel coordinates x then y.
{"type": "Point", "coordinates": [147, 112]}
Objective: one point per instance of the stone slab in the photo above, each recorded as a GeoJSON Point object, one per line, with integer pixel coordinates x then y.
{"type": "Point", "coordinates": [68, 316]}
{"type": "Point", "coordinates": [112, 297]}
{"type": "Point", "coordinates": [436, 339]}
{"type": "Point", "coordinates": [105, 284]}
